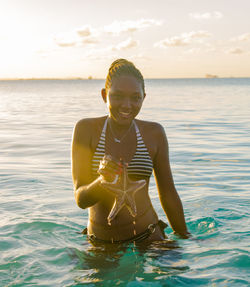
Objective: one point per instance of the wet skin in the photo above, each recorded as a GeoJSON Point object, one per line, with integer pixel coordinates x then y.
{"type": "Point", "coordinates": [124, 100]}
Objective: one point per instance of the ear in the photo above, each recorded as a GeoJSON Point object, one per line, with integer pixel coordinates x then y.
{"type": "Point", "coordinates": [104, 95]}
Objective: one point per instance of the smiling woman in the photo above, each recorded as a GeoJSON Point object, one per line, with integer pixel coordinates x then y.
{"type": "Point", "coordinates": [112, 160]}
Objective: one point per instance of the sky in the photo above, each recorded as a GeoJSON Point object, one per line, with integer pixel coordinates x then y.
{"type": "Point", "coordinates": [164, 38]}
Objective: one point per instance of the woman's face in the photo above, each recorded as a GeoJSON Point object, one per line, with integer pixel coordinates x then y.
{"type": "Point", "coordinates": [124, 99]}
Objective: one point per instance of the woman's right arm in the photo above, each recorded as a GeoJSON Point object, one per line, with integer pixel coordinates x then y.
{"type": "Point", "coordinates": [86, 191]}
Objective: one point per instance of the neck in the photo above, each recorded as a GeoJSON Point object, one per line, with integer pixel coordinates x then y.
{"type": "Point", "coordinates": [119, 132]}
{"type": "Point", "coordinates": [117, 128]}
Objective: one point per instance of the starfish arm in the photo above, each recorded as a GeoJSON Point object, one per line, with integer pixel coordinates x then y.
{"type": "Point", "coordinates": [130, 200]}
{"type": "Point", "coordinates": [112, 188]}
{"type": "Point", "coordinates": [131, 205]}
{"type": "Point", "coordinates": [137, 185]}
{"type": "Point", "coordinates": [117, 206]}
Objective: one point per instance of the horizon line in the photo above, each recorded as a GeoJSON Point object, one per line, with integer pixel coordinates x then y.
{"type": "Point", "coordinates": [91, 78]}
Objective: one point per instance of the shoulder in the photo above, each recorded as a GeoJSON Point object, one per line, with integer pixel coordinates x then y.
{"type": "Point", "coordinates": [85, 128]}
{"type": "Point", "coordinates": [88, 122]}
{"type": "Point", "coordinates": [152, 128]}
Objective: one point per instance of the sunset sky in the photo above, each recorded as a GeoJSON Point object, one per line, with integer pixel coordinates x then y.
{"type": "Point", "coordinates": [165, 38]}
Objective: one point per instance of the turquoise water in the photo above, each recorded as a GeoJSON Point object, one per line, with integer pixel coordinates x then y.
{"type": "Point", "coordinates": [208, 128]}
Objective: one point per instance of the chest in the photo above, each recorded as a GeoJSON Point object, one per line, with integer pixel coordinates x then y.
{"type": "Point", "coordinates": [130, 146]}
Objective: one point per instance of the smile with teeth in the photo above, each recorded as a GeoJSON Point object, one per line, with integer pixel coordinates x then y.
{"type": "Point", "coordinates": [125, 114]}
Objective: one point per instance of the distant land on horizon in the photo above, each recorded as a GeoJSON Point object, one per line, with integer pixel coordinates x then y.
{"type": "Point", "coordinates": [207, 76]}
{"type": "Point", "coordinates": [45, 79]}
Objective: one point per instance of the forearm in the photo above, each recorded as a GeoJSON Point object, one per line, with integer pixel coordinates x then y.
{"type": "Point", "coordinates": [88, 195]}
{"type": "Point", "coordinates": [174, 210]}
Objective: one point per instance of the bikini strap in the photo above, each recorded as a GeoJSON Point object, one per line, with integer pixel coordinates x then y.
{"type": "Point", "coordinates": [136, 129]}
{"type": "Point", "coordinates": [104, 128]}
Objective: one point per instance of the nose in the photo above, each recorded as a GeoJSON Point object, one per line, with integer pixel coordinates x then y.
{"type": "Point", "coordinates": [126, 103]}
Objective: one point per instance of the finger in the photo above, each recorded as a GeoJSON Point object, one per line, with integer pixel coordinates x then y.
{"type": "Point", "coordinates": [111, 167]}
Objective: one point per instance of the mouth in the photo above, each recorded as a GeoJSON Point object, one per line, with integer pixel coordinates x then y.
{"type": "Point", "coordinates": [125, 115]}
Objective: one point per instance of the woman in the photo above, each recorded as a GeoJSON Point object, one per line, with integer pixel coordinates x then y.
{"type": "Point", "coordinates": [112, 160]}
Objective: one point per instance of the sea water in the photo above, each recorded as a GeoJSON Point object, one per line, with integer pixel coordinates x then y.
{"type": "Point", "coordinates": [208, 129]}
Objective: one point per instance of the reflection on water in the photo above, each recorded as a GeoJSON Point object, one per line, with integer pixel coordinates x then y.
{"type": "Point", "coordinates": [127, 263]}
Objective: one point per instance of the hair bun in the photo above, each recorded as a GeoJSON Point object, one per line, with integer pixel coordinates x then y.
{"type": "Point", "coordinates": [123, 67]}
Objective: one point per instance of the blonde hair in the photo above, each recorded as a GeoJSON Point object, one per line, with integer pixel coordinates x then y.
{"type": "Point", "coordinates": [123, 67]}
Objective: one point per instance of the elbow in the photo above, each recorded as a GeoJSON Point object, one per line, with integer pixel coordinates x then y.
{"type": "Point", "coordinates": [82, 200]}
{"type": "Point", "coordinates": [80, 204]}
{"type": "Point", "coordinates": [79, 200]}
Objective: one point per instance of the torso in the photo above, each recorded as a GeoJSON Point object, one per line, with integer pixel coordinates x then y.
{"type": "Point", "coordinates": [139, 165]}
{"type": "Point", "coordinates": [122, 226]}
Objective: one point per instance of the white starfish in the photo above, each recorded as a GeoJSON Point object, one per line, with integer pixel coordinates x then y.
{"type": "Point", "coordinates": [124, 190]}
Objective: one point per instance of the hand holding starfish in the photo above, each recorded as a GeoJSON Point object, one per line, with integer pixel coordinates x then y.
{"type": "Point", "coordinates": [121, 186]}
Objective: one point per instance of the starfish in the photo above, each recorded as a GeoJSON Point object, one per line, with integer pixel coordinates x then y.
{"type": "Point", "coordinates": [124, 190]}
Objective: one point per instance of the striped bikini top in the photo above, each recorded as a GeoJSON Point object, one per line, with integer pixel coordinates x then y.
{"type": "Point", "coordinates": [140, 166]}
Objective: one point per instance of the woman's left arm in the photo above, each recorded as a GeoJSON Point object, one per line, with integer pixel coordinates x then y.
{"type": "Point", "coordinates": [169, 197]}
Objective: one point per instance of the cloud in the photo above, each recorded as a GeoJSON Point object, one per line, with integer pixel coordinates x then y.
{"type": "Point", "coordinates": [65, 43]}
{"type": "Point", "coordinates": [90, 40]}
{"type": "Point", "coordinates": [69, 39]}
{"type": "Point", "coordinates": [82, 36]}
{"type": "Point", "coordinates": [236, 51]}
{"type": "Point", "coordinates": [172, 42]}
{"type": "Point", "coordinates": [197, 34]}
{"type": "Point", "coordinates": [242, 38]}
{"type": "Point", "coordinates": [182, 40]}
{"type": "Point", "coordinates": [112, 51]}
{"type": "Point", "coordinates": [87, 35]}
{"type": "Point", "coordinates": [206, 15]}
{"type": "Point", "coordinates": [125, 45]}
{"type": "Point", "coordinates": [118, 27]}
{"type": "Point", "coordinates": [84, 31]}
